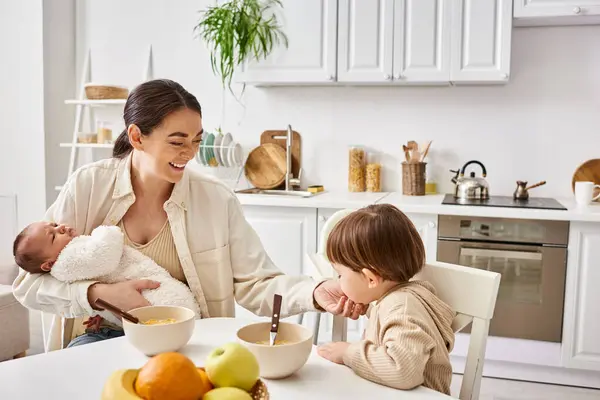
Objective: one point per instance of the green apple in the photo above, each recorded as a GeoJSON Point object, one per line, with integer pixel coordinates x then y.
{"type": "Point", "coordinates": [227, 393]}
{"type": "Point", "coordinates": [232, 365]}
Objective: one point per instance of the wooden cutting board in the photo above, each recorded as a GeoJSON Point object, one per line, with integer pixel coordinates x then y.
{"type": "Point", "coordinates": [279, 138]}
{"type": "Point", "coordinates": [589, 171]}
{"type": "Point", "coordinates": [265, 166]}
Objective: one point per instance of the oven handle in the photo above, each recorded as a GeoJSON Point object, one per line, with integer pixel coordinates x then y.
{"type": "Point", "coordinates": [514, 254]}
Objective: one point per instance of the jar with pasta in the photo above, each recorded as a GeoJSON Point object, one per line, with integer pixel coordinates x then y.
{"type": "Point", "coordinates": [356, 169]}
{"type": "Point", "coordinates": [373, 173]}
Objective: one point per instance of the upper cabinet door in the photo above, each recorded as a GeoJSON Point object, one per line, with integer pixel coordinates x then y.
{"type": "Point", "coordinates": [422, 41]}
{"type": "Point", "coordinates": [310, 26]}
{"type": "Point", "coordinates": [481, 40]}
{"type": "Point", "coordinates": [365, 35]}
{"type": "Point", "coordinates": [556, 8]}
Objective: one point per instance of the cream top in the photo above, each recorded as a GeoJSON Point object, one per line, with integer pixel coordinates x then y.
{"type": "Point", "coordinates": [161, 249]}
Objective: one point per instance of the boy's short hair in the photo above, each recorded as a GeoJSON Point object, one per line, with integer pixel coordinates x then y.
{"type": "Point", "coordinates": [380, 238]}
{"type": "Point", "coordinates": [28, 261]}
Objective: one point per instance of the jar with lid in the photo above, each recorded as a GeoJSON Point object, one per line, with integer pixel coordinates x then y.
{"type": "Point", "coordinates": [104, 132]}
{"type": "Point", "coordinates": [373, 173]}
{"type": "Point", "coordinates": [356, 169]}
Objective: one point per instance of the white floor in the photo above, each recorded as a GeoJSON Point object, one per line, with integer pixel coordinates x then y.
{"type": "Point", "coordinates": [500, 389]}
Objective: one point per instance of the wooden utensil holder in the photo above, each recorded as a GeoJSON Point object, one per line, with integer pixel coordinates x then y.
{"type": "Point", "coordinates": [413, 178]}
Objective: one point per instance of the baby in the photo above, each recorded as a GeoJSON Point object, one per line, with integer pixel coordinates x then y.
{"type": "Point", "coordinates": [376, 251]}
{"type": "Point", "coordinates": [47, 247]}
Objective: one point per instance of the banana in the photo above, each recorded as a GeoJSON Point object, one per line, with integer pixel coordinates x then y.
{"type": "Point", "coordinates": [119, 385]}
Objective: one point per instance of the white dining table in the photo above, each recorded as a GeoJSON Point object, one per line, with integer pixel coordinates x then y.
{"type": "Point", "coordinates": [80, 372]}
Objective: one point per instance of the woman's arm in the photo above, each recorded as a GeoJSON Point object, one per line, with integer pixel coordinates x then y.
{"type": "Point", "coordinates": [256, 278]}
{"type": "Point", "coordinates": [42, 291]}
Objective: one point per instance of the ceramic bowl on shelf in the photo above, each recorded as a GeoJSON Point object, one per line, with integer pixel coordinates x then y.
{"type": "Point", "coordinates": [289, 354]}
{"type": "Point", "coordinates": [162, 337]}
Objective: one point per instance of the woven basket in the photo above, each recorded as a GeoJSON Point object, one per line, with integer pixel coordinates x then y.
{"type": "Point", "coordinates": [413, 179]}
{"type": "Point", "coordinates": [105, 92]}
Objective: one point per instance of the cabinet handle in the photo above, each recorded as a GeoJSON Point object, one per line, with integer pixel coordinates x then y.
{"type": "Point", "coordinates": [504, 76]}
{"type": "Point", "coordinates": [322, 218]}
{"type": "Point", "coordinates": [330, 77]}
{"type": "Point", "coordinates": [431, 224]}
{"type": "Point", "coordinates": [576, 10]}
{"type": "Point", "coordinates": [399, 76]}
{"type": "Point", "coordinates": [387, 77]}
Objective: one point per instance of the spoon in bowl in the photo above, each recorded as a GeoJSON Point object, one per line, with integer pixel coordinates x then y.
{"type": "Point", "coordinates": [275, 319]}
{"type": "Point", "coordinates": [117, 311]}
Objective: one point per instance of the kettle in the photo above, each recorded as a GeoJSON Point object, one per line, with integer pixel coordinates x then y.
{"type": "Point", "coordinates": [472, 187]}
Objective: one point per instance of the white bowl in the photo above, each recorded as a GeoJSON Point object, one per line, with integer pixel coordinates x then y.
{"type": "Point", "coordinates": [154, 339]}
{"type": "Point", "coordinates": [282, 360]}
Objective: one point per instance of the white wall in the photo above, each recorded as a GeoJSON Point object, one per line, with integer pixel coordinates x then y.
{"type": "Point", "coordinates": [539, 127]}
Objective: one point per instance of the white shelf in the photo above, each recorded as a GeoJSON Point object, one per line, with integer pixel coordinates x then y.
{"type": "Point", "coordinates": [89, 145]}
{"type": "Point", "coordinates": [109, 102]}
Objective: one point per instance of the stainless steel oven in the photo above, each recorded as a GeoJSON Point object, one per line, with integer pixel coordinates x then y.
{"type": "Point", "coordinates": [530, 255]}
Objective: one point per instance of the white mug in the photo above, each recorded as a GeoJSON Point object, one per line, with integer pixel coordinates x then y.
{"type": "Point", "coordinates": [584, 192]}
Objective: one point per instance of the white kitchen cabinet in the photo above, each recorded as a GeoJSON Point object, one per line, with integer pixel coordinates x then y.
{"type": "Point", "coordinates": [311, 28]}
{"type": "Point", "coordinates": [581, 324]}
{"type": "Point", "coordinates": [426, 225]}
{"type": "Point", "coordinates": [422, 31]}
{"type": "Point", "coordinates": [481, 41]}
{"type": "Point", "coordinates": [557, 12]}
{"type": "Point", "coordinates": [365, 40]}
{"type": "Point", "coordinates": [288, 235]}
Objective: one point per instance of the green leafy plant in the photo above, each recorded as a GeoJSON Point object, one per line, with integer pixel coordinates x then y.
{"type": "Point", "coordinates": [238, 31]}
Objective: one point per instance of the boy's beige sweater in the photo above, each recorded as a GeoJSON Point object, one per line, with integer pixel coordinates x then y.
{"type": "Point", "coordinates": [407, 340]}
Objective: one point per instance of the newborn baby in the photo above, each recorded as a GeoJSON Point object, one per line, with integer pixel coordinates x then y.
{"type": "Point", "coordinates": [47, 247]}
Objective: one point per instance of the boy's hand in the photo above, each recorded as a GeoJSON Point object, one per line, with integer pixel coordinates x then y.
{"type": "Point", "coordinates": [334, 351]}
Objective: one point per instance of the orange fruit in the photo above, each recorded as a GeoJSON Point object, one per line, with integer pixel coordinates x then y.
{"type": "Point", "coordinates": [170, 376]}
{"type": "Point", "coordinates": [206, 383]}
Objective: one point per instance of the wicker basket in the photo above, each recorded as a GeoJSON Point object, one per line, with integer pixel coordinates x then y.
{"type": "Point", "coordinates": [105, 92]}
{"type": "Point", "coordinates": [413, 179]}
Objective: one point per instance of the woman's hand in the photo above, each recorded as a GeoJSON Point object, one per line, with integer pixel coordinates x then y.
{"type": "Point", "coordinates": [331, 298]}
{"type": "Point", "coordinates": [333, 352]}
{"type": "Point", "coordinates": [124, 295]}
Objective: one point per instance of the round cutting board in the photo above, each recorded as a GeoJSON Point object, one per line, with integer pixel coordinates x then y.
{"type": "Point", "coordinates": [266, 165]}
{"type": "Point", "coordinates": [589, 171]}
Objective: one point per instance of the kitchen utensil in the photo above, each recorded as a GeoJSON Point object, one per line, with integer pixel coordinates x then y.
{"type": "Point", "coordinates": [589, 171]}
{"type": "Point", "coordinates": [522, 190]}
{"type": "Point", "coordinates": [279, 137]}
{"type": "Point", "coordinates": [415, 154]}
{"type": "Point", "coordinates": [471, 187]}
{"type": "Point", "coordinates": [426, 151]}
{"type": "Point", "coordinates": [406, 153]}
{"type": "Point", "coordinates": [275, 319]}
{"type": "Point", "coordinates": [584, 192]}
{"type": "Point", "coordinates": [117, 311]}
{"type": "Point", "coordinates": [265, 167]}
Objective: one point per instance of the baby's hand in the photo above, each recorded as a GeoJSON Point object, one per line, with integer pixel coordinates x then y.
{"type": "Point", "coordinates": [334, 351]}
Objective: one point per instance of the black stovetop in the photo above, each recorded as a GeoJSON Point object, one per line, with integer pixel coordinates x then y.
{"type": "Point", "coordinates": [542, 203]}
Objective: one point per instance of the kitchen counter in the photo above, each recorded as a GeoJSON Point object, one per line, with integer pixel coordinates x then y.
{"type": "Point", "coordinates": [430, 204]}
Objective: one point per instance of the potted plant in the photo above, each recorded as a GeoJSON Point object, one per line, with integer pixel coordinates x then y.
{"type": "Point", "coordinates": [237, 31]}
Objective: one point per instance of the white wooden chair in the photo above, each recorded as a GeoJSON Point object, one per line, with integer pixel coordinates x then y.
{"type": "Point", "coordinates": [470, 292]}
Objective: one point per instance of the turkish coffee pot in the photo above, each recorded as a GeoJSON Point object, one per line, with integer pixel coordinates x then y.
{"type": "Point", "coordinates": [471, 187]}
{"type": "Point", "coordinates": [522, 190]}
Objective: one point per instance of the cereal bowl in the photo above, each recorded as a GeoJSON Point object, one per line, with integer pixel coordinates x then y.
{"type": "Point", "coordinates": [161, 328]}
{"type": "Point", "coordinates": [290, 352]}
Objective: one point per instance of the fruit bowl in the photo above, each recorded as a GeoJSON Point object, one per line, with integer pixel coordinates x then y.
{"type": "Point", "coordinates": [120, 386]}
{"type": "Point", "coordinates": [290, 352]}
{"type": "Point", "coordinates": [160, 338]}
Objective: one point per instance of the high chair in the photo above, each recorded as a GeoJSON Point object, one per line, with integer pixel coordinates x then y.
{"type": "Point", "coordinates": [470, 292]}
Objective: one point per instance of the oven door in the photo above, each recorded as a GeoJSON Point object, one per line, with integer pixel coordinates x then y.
{"type": "Point", "coordinates": [532, 286]}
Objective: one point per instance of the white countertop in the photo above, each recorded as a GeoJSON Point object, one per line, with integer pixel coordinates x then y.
{"type": "Point", "coordinates": [430, 204]}
{"type": "Point", "coordinates": [80, 372]}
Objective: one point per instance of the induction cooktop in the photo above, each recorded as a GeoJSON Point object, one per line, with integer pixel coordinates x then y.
{"type": "Point", "coordinates": [542, 203]}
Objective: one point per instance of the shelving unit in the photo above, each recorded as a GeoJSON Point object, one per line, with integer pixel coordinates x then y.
{"type": "Point", "coordinates": [82, 104]}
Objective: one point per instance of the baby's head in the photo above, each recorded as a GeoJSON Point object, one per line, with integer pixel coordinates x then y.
{"type": "Point", "coordinates": [37, 247]}
{"type": "Point", "coordinates": [374, 248]}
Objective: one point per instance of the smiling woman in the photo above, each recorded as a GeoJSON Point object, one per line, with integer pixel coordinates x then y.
{"type": "Point", "coordinates": [190, 224]}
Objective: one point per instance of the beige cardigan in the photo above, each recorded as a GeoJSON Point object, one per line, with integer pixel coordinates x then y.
{"type": "Point", "coordinates": [407, 340]}
{"type": "Point", "coordinates": [221, 255]}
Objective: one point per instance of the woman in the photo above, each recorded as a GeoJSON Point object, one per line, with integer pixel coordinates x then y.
{"type": "Point", "coordinates": [190, 224]}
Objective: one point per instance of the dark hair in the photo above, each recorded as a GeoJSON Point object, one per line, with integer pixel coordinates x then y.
{"type": "Point", "coordinates": [380, 238]}
{"type": "Point", "coordinates": [30, 262]}
{"type": "Point", "coordinates": [148, 105]}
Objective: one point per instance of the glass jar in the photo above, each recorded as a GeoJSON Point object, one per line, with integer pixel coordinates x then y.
{"type": "Point", "coordinates": [104, 132]}
{"type": "Point", "coordinates": [356, 169]}
{"type": "Point", "coordinates": [373, 173]}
